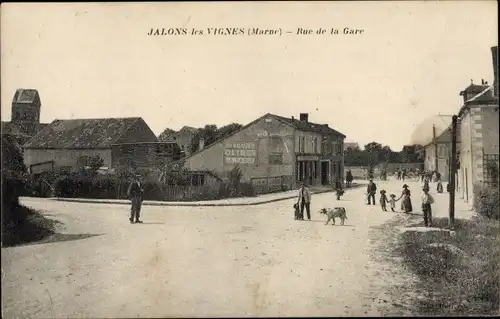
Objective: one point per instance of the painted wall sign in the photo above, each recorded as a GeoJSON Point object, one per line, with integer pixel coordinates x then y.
{"type": "Point", "coordinates": [262, 134]}
{"type": "Point", "coordinates": [240, 153]}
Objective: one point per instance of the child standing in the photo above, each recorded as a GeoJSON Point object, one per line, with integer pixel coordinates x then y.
{"type": "Point", "coordinates": [427, 201]}
{"type": "Point", "coordinates": [383, 200]}
{"type": "Point", "coordinates": [393, 201]}
{"type": "Point", "coordinates": [339, 192]}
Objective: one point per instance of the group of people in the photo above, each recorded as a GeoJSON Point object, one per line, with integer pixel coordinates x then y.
{"type": "Point", "coordinates": [406, 203]}
{"type": "Point", "coordinates": [136, 194]}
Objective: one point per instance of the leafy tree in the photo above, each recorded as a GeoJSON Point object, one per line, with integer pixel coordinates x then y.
{"type": "Point", "coordinates": [211, 134]}
{"type": "Point", "coordinates": [412, 153]}
{"type": "Point", "coordinates": [165, 134]}
{"type": "Point", "coordinates": [95, 163]}
{"type": "Point", "coordinates": [228, 130]}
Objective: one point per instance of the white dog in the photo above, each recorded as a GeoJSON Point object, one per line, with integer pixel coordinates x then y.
{"type": "Point", "coordinates": [339, 212]}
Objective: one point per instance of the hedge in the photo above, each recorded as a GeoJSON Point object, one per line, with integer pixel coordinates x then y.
{"type": "Point", "coordinates": [486, 201]}
{"type": "Point", "coordinates": [113, 187]}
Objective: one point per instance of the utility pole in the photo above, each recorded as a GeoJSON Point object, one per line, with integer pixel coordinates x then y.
{"type": "Point", "coordinates": [453, 170]}
{"type": "Point", "coordinates": [435, 148]}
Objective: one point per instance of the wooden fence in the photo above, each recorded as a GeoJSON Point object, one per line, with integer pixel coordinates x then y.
{"type": "Point", "coordinates": [272, 184]}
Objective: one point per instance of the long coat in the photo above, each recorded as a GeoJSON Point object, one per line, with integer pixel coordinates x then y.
{"type": "Point", "coordinates": [304, 194]}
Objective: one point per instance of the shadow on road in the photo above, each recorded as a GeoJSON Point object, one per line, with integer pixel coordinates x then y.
{"type": "Point", "coordinates": [149, 223]}
{"type": "Point", "coordinates": [57, 237]}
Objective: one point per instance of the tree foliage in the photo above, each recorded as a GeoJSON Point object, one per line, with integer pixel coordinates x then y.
{"type": "Point", "coordinates": [375, 153]}
{"type": "Point", "coordinates": [165, 134]}
{"type": "Point", "coordinates": [211, 134]}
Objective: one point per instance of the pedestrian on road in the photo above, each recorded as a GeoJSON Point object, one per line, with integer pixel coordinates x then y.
{"type": "Point", "coordinates": [426, 185]}
{"type": "Point", "coordinates": [393, 201]}
{"type": "Point", "coordinates": [406, 200]}
{"type": "Point", "coordinates": [371, 190]}
{"type": "Point", "coordinates": [136, 194]}
{"type": "Point", "coordinates": [383, 200]}
{"type": "Point", "coordinates": [349, 178]}
{"type": "Point", "coordinates": [399, 173]}
{"type": "Point", "coordinates": [403, 174]}
{"type": "Point", "coordinates": [427, 201]}
{"type": "Point", "coordinates": [305, 201]}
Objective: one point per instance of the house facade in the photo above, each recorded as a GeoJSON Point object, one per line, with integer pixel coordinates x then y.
{"type": "Point", "coordinates": [275, 147]}
{"type": "Point", "coordinates": [144, 154]}
{"type": "Point", "coordinates": [70, 144]}
{"type": "Point", "coordinates": [479, 147]}
{"type": "Point", "coordinates": [438, 154]}
{"type": "Point", "coordinates": [183, 139]}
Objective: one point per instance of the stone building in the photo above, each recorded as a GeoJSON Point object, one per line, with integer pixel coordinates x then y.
{"type": "Point", "coordinates": [66, 145]}
{"type": "Point", "coordinates": [275, 148]}
{"type": "Point", "coordinates": [25, 117]}
{"type": "Point", "coordinates": [479, 128]}
{"type": "Point", "coordinates": [183, 138]}
{"type": "Point", "coordinates": [438, 154]}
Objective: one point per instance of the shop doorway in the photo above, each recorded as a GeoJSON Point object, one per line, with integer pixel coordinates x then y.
{"type": "Point", "coordinates": [325, 172]}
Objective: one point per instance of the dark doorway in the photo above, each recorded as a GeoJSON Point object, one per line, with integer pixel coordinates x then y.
{"type": "Point", "coordinates": [324, 173]}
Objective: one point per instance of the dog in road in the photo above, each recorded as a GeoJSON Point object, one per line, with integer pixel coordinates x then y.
{"type": "Point", "coordinates": [337, 212]}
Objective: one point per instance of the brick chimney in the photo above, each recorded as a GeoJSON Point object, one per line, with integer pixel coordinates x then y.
{"type": "Point", "coordinates": [202, 144]}
{"type": "Point", "coordinates": [494, 55]}
{"type": "Point", "coordinates": [304, 117]}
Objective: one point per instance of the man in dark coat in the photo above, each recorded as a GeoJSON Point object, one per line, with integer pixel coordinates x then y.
{"type": "Point", "coordinates": [136, 194]}
{"type": "Point", "coordinates": [371, 190]}
{"type": "Point", "coordinates": [349, 178]}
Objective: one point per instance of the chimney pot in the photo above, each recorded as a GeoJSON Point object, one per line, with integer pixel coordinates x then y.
{"type": "Point", "coordinates": [304, 117]}
{"type": "Point", "coordinates": [293, 118]}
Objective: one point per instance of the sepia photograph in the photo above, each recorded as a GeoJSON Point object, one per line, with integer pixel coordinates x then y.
{"type": "Point", "coordinates": [250, 159]}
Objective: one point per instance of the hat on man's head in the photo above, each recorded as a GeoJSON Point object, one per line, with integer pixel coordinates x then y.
{"type": "Point", "coordinates": [405, 186]}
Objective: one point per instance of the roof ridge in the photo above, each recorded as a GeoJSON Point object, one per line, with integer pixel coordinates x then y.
{"type": "Point", "coordinates": [101, 118]}
{"type": "Point", "coordinates": [475, 97]}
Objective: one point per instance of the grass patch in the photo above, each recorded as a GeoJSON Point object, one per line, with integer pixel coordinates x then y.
{"type": "Point", "coordinates": [32, 227]}
{"type": "Point", "coordinates": [461, 272]}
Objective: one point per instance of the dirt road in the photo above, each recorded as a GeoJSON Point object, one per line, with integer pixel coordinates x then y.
{"type": "Point", "coordinates": [205, 261]}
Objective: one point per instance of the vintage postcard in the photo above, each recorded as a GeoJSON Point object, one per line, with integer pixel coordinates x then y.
{"type": "Point", "coordinates": [250, 159]}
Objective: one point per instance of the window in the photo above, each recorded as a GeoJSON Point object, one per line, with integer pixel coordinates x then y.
{"type": "Point", "coordinates": [302, 144]}
{"type": "Point", "coordinates": [315, 145]}
{"type": "Point", "coordinates": [334, 148]}
{"type": "Point", "coordinates": [198, 180]}
{"type": "Point", "coordinates": [490, 168]}
{"type": "Point", "coordinates": [275, 158]}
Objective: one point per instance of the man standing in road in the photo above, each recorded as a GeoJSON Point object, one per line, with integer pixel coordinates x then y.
{"type": "Point", "coordinates": [136, 194]}
{"type": "Point", "coordinates": [371, 190]}
{"type": "Point", "coordinates": [305, 201]}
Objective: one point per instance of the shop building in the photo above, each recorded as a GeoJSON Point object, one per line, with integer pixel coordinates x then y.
{"type": "Point", "coordinates": [276, 148]}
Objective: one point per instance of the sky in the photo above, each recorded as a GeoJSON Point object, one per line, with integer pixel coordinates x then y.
{"type": "Point", "coordinates": [93, 60]}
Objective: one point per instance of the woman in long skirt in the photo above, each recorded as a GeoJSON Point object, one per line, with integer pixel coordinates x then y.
{"type": "Point", "coordinates": [406, 205]}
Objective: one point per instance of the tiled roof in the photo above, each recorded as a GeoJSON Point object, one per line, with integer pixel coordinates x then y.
{"type": "Point", "coordinates": [308, 126]}
{"type": "Point", "coordinates": [22, 128]}
{"type": "Point", "coordinates": [25, 96]}
{"type": "Point", "coordinates": [475, 88]}
{"type": "Point", "coordinates": [485, 95]}
{"type": "Point", "coordinates": [82, 133]}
